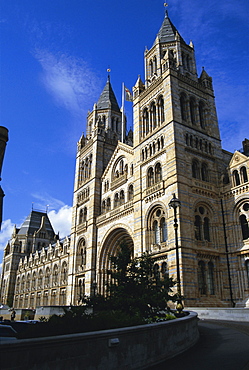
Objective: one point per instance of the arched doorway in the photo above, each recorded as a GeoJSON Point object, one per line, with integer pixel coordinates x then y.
{"type": "Point", "coordinates": [109, 248]}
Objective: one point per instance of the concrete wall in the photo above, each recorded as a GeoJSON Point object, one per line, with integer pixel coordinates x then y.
{"type": "Point", "coordinates": [129, 348]}
{"type": "Point", "coordinates": [233, 314]}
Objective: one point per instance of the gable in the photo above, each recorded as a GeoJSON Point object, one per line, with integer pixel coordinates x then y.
{"type": "Point", "coordinates": [237, 159]}
{"type": "Point", "coordinates": [122, 151]}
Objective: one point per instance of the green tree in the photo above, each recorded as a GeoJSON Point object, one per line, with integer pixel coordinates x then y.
{"type": "Point", "coordinates": [134, 288]}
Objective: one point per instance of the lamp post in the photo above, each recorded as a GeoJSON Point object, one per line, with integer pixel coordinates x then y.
{"type": "Point", "coordinates": [175, 203]}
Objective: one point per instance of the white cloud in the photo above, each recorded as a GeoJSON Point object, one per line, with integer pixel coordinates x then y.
{"type": "Point", "coordinates": [69, 80]}
{"type": "Point", "coordinates": [46, 201]}
{"type": "Point", "coordinates": [6, 232]}
{"type": "Point", "coordinates": [61, 220]}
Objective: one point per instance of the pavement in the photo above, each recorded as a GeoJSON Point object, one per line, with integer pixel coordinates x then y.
{"type": "Point", "coordinates": [223, 345]}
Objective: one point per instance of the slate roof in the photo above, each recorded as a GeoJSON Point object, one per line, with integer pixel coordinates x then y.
{"type": "Point", "coordinates": [33, 223]}
{"type": "Point", "coordinates": [168, 31]}
{"type": "Point", "coordinates": [107, 98]}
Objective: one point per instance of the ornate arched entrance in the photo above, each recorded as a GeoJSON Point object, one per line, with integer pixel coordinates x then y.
{"type": "Point", "coordinates": [109, 248]}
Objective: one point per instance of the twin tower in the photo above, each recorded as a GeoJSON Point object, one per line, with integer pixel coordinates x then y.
{"type": "Point", "coordinates": [124, 183]}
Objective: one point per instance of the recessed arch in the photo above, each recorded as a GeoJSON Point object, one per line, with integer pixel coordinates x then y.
{"type": "Point", "coordinates": [110, 246]}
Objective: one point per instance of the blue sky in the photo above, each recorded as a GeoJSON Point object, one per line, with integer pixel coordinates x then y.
{"type": "Point", "coordinates": [54, 56]}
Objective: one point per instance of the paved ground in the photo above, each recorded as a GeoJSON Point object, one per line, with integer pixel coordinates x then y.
{"type": "Point", "coordinates": [223, 345]}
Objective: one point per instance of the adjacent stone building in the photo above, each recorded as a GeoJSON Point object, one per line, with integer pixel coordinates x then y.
{"type": "Point", "coordinates": [124, 183]}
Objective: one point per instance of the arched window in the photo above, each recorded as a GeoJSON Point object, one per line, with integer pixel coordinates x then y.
{"type": "Point", "coordinates": [116, 200]}
{"type": "Point", "coordinates": [164, 270]}
{"type": "Point", "coordinates": [151, 68]}
{"type": "Point", "coordinates": [236, 179]}
{"type": "Point", "coordinates": [103, 206]}
{"type": "Point", "coordinates": [153, 116]}
{"type": "Point", "coordinates": [28, 282]}
{"type": "Point", "coordinates": [90, 165]}
{"type": "Point", "coordinates": [156, 232]}
{"type": "Point", "coordinates": [81, 291]}
{"type": "Point", "coordinates": [150, 177]}
{"type": "Point", "coordinates": [55, 275]}
{"type": "Point", "coordinates": [40, 277]}
{"type": "Point", "coordinates": [34, 281]}
{"type": "Point", "coordinates": [160, 110]}
{"type": "Point", "coordinates": [22, 283]}
{"type": "Point", "coordinates": [210, 278]}
{"type": "Point", "coordinates": [155, 64]}
{"type": "Point", "coordinates": [47, 277]}
{"type": "Point", "coordinates": [121, 167]}
{"type": "Point", "coordinates": [81, 216]}
{"type": "Point", "coordinates": [202, 277]}
{"type": "Point", "coordinates": [192, 111]}
{"type": "Point", "coordinates": [202, 224]}
{"type": "Point", "coordinates": [204, 172]}
{"type": "Point", "coordinates": [163, 230]}
{"type": "Point", "coordinates": [158, 173]}
{"type": "Point", "coordinates": [157, 225]}
{"type": "Point", "coordinates": [145, 121]}
{"type": "Point", "coordinates": [243, 174]}
{"type": "Point", "coordinates": [81, 255]}
{"type": "Point", "coordinates": [108, 204]}
{"type": "Point", "coordinates": [64, 273]}
{"type": "Point", "coordinates": [202, 114]}
{"type": "Point", "coordinates": [206, 229]}
{"type": "Point", "coordinates": [122, 197]}
{"type": "Point", "coordinates": [195, 169]}
{"type": "Point", "coordinates": [244, 227]}
{"type": "Point", "coordinates": [85, 214]}
{"type": "Point", "coordinates": [130, 192]}
{"type": "Point", "coordinates": [183, 105]}
{"type": "Point", "coordinates": [198, 235]}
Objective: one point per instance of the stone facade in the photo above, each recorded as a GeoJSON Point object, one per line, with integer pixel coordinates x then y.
{"type": "Point", "coordinates": [124, 183]}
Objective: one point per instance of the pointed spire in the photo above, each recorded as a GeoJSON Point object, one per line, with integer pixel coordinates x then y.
{"type": "Point", "coordinates": [107, 98]}
{"type": "Point", "coordinates": [168, 32]}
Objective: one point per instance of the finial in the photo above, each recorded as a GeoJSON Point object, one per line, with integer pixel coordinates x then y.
{"type": "Point", "coordinates": [166, 11]}
{"type": "Point", "coordinates": [108, 71]}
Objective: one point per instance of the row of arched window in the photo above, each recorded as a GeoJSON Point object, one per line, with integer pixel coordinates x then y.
{"type": "Point", "coordinates": [160, 272]}
{"type": "Point", "coordinates": [154, 174]}
{"type": "Point", "coordinates": [198, 143]}
{"type": "Point", "coordinates": [152, 116]}
{"type": "Point", "coordinates": [200, 170]}
{"type": "Point", "coordinates": [120, 169]}
{"type": "Point", "coordinates": [119, 199]}
{"type": "Point", "coordinates": [45, 298]}
{"type": "Point", "coordinates": [240, 177]}
{"type": "Point", "coordinates": [42, 279]}
{"type": "Point", "coordinates": [84, 194]}
{"type": "Point", "coordinates": [206, 283]}
{"type": "Point", "coordinates": [152, 148]}
{"type": "Point", "coordinates": [85, 168]}
{"type": "Point", "coordinates": [193, 110]}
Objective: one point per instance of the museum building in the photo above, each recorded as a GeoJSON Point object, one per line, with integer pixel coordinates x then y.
{"type": "Point", "coordinates": [124, 182]}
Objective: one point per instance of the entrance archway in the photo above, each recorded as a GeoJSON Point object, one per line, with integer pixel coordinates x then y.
{"type": "Point", "coordinates": [109, 248]}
